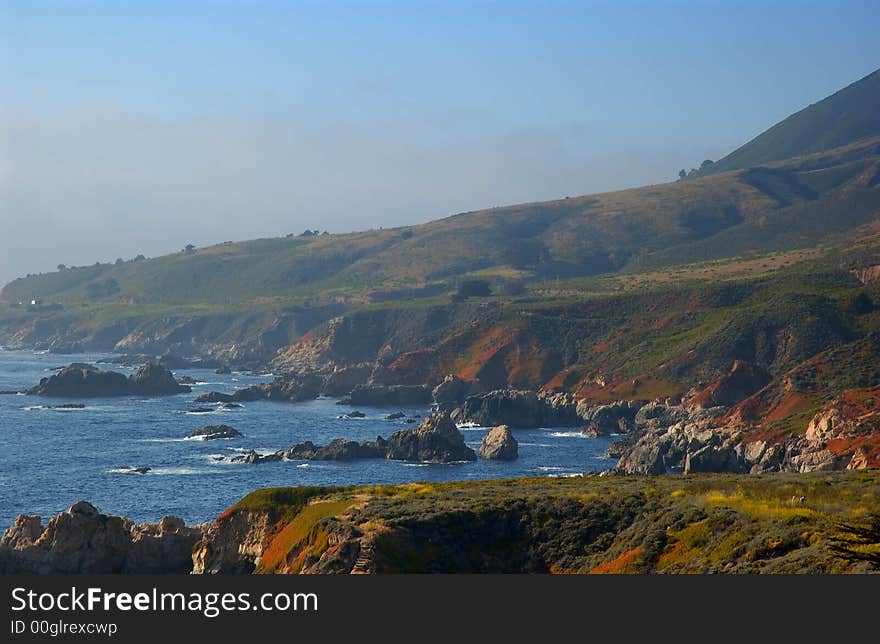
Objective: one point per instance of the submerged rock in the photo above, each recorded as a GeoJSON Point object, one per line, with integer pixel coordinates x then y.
{"type": "Point", "coordinates": [436, 440]}
{"type": "Point", "coordinates": [499, 445]}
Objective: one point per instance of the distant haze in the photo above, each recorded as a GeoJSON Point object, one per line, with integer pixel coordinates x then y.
{"type": "Point", "coordinates": [139, 129]}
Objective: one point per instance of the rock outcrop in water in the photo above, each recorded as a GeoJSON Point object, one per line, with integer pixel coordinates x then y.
{"type": "Point", "coordinates": [86, 381]}
{"type": "Point", "coordinates": [436, 440]}
{"type": "Point", "coordinates": [213, 432]}
{"type": "Point", "coordinates": [388, 395]}
{"type": "Point", "coordinates": [289, 388]}
{"type": "Point", "coordinates": [520, 409]}
{"type": "Point", "coordinates": [499, 445]}
{"type": "Point", "coordinates": [82, 540]}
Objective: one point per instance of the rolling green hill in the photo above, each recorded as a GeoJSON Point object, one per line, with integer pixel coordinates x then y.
{"type": "Point", "coordinates": [797, 203]}
{"type": "Point", "coordinates": [846, 116]}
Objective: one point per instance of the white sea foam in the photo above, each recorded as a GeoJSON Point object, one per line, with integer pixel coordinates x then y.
{"type": "Point", "coordinates": [305, 465]}
{"type": "Point", "coordinates": [568, 435]}
{"type": "Point", "coordinates": [181, 471]}
{"type": "Point", "coordinates": [535, 445]}
{"type": "Point", "coordinates": [549, 468]}
{"type": "Point", "coordinates": [469, 425]}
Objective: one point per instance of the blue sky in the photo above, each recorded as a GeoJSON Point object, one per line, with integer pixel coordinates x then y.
{"type": "Point", "coordinates": [138, 127]}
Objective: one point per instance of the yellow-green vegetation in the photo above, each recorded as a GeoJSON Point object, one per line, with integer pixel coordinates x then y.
{"type": "Point", "coordinates": [779, 523]}
{"type": "Point", "coordinates": [303, 535]}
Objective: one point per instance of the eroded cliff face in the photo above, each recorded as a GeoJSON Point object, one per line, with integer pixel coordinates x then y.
{"type": "Point", "coordinates": [280, 530]}
{"type": "Point", "coordinates": [245, 339]}
{"type": "Point", "coordinates": [83, 540]}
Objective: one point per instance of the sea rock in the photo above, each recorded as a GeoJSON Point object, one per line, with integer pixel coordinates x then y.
{"type": "Point", "coordinates": [68, 406]}
{"type": "Point", "coordinates": [355, 414]}
{"type": "Point", "coordinates": [453, 390]}
{"type": "Point", "coordinates": [231, 405]}
{"type": "Point", "coordinates": [395, 416]}
{"type": "Point", "coordinates": [82, 381]}
{"type": "Point", "coordinates": [85, 381]}
{"type": "Point", "coordinates": [201, 410]}
{"type": "Point", "coordinates": [519, 409]}
{"type": "Point", "coordinates": [388, 395]}
{"type": "Point", "coordinates": [289, 388]}
{"type": "Point", "coordinates": [252, 457]}
{"type": "Point", "coordinates": [83, 540]}
{"type": "Point", "coordinates": [339, 449]}
{"type": "Point", "coordinates": [499, 445]}
{"type": "Point", "coordinates": [214, 397]}
{"type": "Point", "coordinates": [342, 380]}
{"type": "Point", "coordinates": [155, 380]}
{"type": "Point", "coordinates": [223, 370]}
{"type": "Point", "coordinates": [213, 432]}
{"type": "Point", "coordinates": [436, 440]}
{"type": "Point", "coordinates": [187, 380]}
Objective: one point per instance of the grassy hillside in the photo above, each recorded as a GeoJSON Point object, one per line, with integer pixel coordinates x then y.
{"type": "Point", "coordinates": [796, 204]}
{"type": "Point", "coordinates": [602, 525]}
{"type": "Point", "coordinates": [846, 116]}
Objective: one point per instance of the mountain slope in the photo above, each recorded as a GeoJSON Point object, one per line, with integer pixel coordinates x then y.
{"type": "Point", "coordinates": [796, 203]}
{"type": "Point", "coordinates": [846, 116]}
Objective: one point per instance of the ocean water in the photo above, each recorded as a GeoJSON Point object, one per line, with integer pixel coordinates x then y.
{"type": "Point", "coordinates": [51, 458]}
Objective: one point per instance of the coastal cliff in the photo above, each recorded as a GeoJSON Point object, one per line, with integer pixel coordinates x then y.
{"type": "Point", "coordinates": [781, 523]}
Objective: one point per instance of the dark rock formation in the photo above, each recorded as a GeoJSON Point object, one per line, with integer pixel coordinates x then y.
{"type": "Point", "coordinates": [387, 395]}
{"type": "Point", "coordinates": [520, 409]}
{"type": "Point", "coordinates": [342, 380]}
{"type": "Point", "coordinates": [82, 540]}
{"type": "Point", "coordinates": [82, 381]}
{"type": "Point", "coordinates": [252, 457]}
{"type": "Point", "coordinates": [223, 370]}
{"type": "Point", "coordinates": [340, 449]}
{"type": "Point", "coordinates": [355, 414]}
{"type": "Point", "coordinates": [214, 397]}
{"type": "Point", "coordinates": [213, 432]}
{"type": "Point", "coordinates": [187, 380]}
{"type": "Point", "coordinates": [289, 387]}
{"type": "Point", "coordinates": [155, 380]}
{"type": "Point", "coordinates": [395, 416]}
{"type": "Point", "coordinates": [436, 440]}
{"type": "Point", "coordinates": [453, 390]}
{"type": "Point", "coordinates": [200, 410]}
{"type": "Point", "coordinates": [616, 418]}
{"type": "Point", "coordinates": [499, 445]}
{"type": "Point", "coordinates": [85, 381]}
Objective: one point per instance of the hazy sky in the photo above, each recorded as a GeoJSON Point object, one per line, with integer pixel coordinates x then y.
{"type": "Point", "coordinates": [137, 127]}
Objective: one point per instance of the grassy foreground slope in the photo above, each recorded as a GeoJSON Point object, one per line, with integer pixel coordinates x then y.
{"type": "Point", "coordinates": [709, 523]}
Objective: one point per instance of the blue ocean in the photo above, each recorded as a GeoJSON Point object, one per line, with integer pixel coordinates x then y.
{"type": "Point", "coordinates": [51, 458]}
